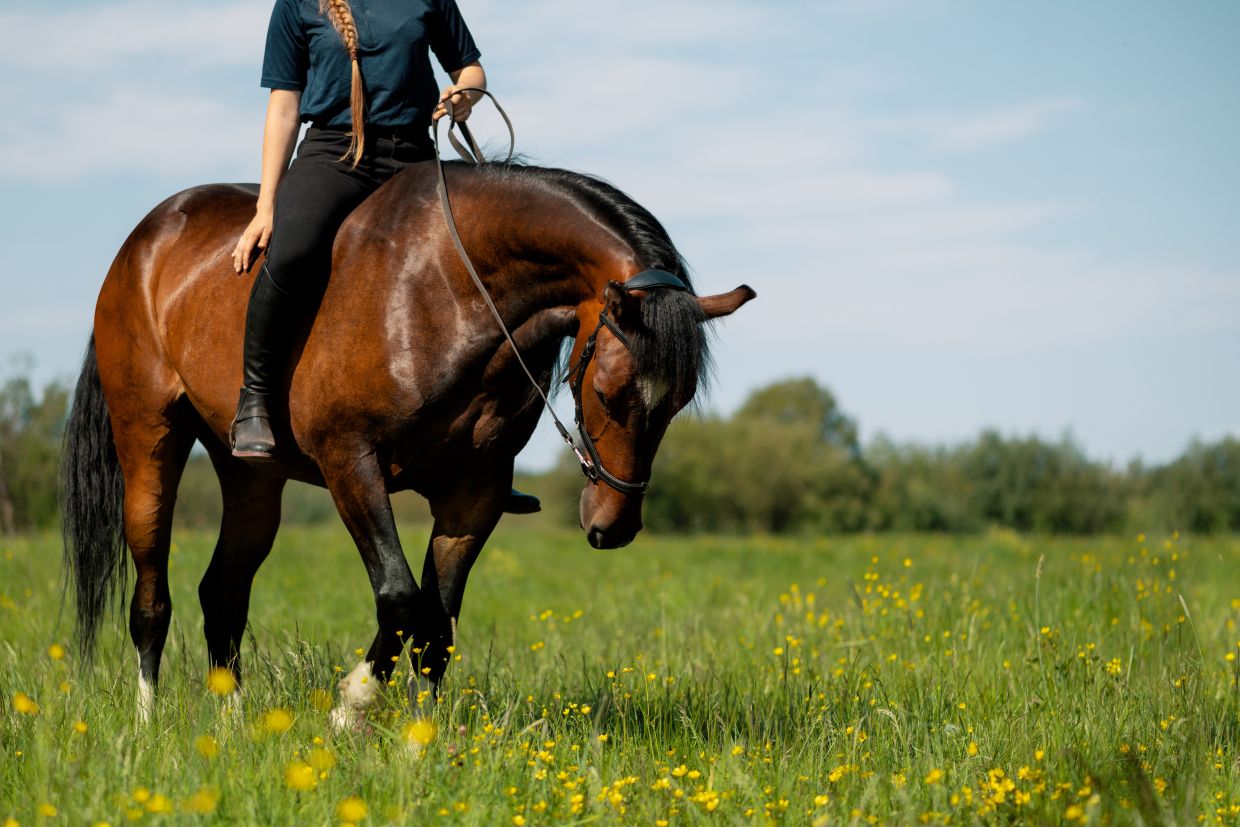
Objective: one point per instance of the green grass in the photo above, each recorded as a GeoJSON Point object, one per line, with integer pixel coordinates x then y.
{"type": "Point", "coordinates": [732, 680]}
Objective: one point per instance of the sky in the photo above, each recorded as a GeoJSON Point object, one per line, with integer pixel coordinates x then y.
{"type": "Point", "coordinates": [957, 214]}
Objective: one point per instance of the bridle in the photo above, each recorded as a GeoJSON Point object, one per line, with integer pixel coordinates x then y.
{"type": "Point", "coordinates": [591, 463]}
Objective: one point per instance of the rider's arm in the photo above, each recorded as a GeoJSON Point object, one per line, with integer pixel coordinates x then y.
{"type": "Point", "coordinates": [467, 77]}
{"type": "Point", "coordinates": [279, 137]}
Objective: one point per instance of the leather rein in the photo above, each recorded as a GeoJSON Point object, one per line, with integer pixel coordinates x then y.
{"type": "Point", "coordinates": [591, 464]}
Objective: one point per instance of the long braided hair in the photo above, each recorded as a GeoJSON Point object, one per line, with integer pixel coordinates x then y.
{"type": "Point", "coordinates": [341, 17]}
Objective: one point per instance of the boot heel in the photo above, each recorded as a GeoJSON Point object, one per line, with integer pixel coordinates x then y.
{"type": "Point", "coordinates": [250, 434]}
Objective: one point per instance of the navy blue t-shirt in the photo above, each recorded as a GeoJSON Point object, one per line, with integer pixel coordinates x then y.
{"type": "Point", "coordinates": [304, 52]}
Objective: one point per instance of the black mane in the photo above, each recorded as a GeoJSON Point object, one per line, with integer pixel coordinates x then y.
{"type": "Point", "coordinates": [672, 346]}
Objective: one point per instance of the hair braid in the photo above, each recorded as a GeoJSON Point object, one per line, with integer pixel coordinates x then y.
{"type": "Point", "coordinates": [341, 17]}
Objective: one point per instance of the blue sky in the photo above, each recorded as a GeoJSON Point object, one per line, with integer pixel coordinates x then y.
{"type": "Point", "coordinates": [956, 214]}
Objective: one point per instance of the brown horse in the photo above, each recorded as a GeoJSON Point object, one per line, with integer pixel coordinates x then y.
{"type": "Point", "coordinates": [400, 379]}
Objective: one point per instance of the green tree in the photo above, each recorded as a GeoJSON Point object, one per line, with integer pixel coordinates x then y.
{"type": "Point", "coordinates": [30, 432]}
{"type": "Point", "coordinates": [1200, 491]}
{"type": "Point", "coordinates": [920, 489]}
{"type": "Point", "coordinates": [803, 402]}
{"type": "Point", "coordinates": [787, 461]}
{"type": "Point", "coordinates": [1032, 485]}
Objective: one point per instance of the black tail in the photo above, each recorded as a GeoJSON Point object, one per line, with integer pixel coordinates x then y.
{"type": "Point", "coordinates": [92, 497]}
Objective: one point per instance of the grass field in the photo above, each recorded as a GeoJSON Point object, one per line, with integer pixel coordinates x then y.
{"type": "Point", "coordinates": [682, 681]}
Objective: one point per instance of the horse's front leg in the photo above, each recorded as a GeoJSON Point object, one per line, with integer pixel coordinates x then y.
{"type": "Point", "coordinates": [357, 486]}
{"type": "Point", "coordinates": [463, 522]}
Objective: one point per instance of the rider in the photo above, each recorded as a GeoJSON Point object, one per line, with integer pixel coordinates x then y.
{"type": "Point", "coordinates": [359, 72]}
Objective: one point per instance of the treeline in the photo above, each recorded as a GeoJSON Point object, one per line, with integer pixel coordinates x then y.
{"type": "Point", "coordinates": [789, 460]}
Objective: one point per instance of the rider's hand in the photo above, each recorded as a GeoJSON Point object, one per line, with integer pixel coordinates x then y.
{"type": "Point", "coordinates": [255, 236]}
{"type": "Point", "coordinates": [462, 104]}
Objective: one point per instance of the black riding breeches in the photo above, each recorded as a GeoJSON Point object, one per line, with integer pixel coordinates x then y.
{"type": "Point", "coordinates": [317, 193]}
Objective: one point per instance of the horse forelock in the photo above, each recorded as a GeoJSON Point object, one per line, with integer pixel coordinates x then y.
{"type": "Point", "coordinates": [672, 346]}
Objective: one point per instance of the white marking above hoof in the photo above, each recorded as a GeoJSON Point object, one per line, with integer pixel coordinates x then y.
{"type": "Point", "coordinates": [146, 698]}
{"type": "Point", "coordinates": [358, 690]}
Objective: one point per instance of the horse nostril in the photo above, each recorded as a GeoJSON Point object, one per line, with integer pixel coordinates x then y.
{"type": "Point", "coordinates": [595, 537]}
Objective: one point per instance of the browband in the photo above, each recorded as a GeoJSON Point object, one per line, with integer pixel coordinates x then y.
{"type": "Point", "coordinates": [649, 279]}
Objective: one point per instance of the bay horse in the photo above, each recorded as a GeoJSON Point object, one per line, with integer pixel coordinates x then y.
{"type": "Point", "coordinates": [400, 379]}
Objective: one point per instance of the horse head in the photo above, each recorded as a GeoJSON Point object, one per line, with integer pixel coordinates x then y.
{"type": "Point", "coordinates": [640, 366]}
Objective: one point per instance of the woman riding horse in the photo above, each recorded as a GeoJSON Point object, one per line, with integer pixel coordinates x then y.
{"type": "Point", "coordinates": [402, 382]}
{"type": "Point", "coordinates": [313, 66]}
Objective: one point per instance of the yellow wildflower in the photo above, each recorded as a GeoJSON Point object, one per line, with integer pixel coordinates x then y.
{"type": "Point", "coordinates": [300, 776]}
{"type": "Point", "coordinates": [351, 809]}
{"type": "Point", "coordinates": [47, 810]}
{"type": "Point", "coordinates": [934, 776]}
{"type": "Point", "coordinates": [323, 760]}
{"type": "Point", "coordinates": [203, 801]}
{"type": "Point", "coordinates": [207, 746]}
{"type": "Point", "coordinates": [221, 681]}
{"type": "Point", "coordinates": [56, 651]}
{"type": "Point", "coordinates": [518, 820]}
{"type": "Point", "coordinates": [420, 731]}
{"type": "Point", "coordinates": [25, 704]}
{"type": "Point", "coordinates": [159, 803]}
{"type": "Point", "coordinates": [277, 721]}
{"type": "Point", "coordinates": [321, 699]}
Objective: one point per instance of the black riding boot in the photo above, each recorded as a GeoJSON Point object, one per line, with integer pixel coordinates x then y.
{"type": "Point", "coordinates": [267, 323]}
{"type": "Point", "coordinates": [521, 503]}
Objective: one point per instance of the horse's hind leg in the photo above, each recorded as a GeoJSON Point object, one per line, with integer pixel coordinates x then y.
{"type": "Point", "coordinates": [248, 528]}
{"type": "Point", "coordinates": [152, 446]}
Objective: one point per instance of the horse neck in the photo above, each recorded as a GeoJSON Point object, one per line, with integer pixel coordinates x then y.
{"type": "Point", "coordinates": [551, 254]}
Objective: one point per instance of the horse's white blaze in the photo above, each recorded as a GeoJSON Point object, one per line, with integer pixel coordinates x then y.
{"type": "Point", "coordinates": [357, 692]}
{"type": "Point", "coordinates": [652, 391]}
{"type": "Point", "coordinates": [146, 698]}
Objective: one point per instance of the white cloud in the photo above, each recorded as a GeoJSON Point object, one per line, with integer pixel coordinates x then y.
{"type": "Point", "coordinates": [982, 297]}
{"type": "Point", "coordinates": [132, 130]}
{"type": "Point", "coordinates": [681, 106]}
{"type": "Point", "coordinates": [981, 129]}
{"type": "Point", "coordinates": [69, 40]}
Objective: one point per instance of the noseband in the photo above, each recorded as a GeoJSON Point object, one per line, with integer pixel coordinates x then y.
{"type": "Point", "coordinates": [591, 463]}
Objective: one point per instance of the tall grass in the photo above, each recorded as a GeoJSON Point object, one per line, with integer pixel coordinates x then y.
{"type": "Point", "coordinates": [885, 679]}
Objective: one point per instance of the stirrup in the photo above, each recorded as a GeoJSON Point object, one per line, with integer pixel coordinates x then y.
{"type": "Point", "coordinates": [519, 502]}
{"type": "Point", "coordinates": [250, 436]}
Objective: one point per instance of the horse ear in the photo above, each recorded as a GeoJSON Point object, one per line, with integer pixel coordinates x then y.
{"type": "Point", "coordinates": [725, 304]}
{"type": "Point", "coordinates": [620, 304]}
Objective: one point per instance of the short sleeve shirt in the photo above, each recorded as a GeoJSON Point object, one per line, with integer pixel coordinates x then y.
{"type": "Point", "coordinates": [395, 37]}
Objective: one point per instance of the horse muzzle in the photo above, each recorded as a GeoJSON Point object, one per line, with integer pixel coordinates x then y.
{"type": "Point", "coordinates": [609, 519]}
